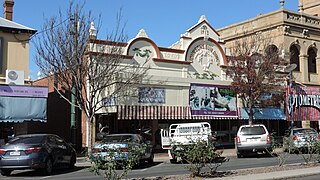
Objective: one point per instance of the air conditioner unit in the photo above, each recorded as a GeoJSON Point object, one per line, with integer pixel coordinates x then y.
{"type": "Point", "coordinates": [14, 77]}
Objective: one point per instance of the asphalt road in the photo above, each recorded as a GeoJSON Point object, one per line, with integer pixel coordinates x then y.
{"type": "Point", "coordinates": [154, 170]}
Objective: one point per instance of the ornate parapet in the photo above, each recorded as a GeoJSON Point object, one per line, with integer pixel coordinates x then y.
{"type": "Point", "coordinates": [301, 18]}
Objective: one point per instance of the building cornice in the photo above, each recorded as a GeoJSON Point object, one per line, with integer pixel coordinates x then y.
{"type": "Point", "coordinates": [171, 61]}
{"type": "Point", "coordinates": [179, 51]}
{"type": "Point", "coordinates": [105, 42]}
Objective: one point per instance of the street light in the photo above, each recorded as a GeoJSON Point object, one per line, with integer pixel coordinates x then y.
{"type": "Point", "coordinates": [289, 69]}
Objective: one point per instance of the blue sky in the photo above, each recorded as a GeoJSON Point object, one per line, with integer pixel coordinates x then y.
{"type": "Point", "coordinates": [163, 20]}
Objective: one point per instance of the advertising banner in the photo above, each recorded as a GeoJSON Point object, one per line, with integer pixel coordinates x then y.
{"type": "Point", "coordinates": [23, 91]}
{"type": "Point", "coordinates": [151, 95]}
{"type": "Point", "coordinates": [212, 100]}
{"type": "Point", "coordinates": [303, 103]}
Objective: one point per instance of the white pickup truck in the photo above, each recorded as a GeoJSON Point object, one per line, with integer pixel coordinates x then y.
{"type": "Point", "coordinates": [184, 134]}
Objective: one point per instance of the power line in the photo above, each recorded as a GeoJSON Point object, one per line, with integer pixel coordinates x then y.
{"type": "Point", "coordinates": [49, 28]}
{"type": "Point", "coordinates": [40, 32]}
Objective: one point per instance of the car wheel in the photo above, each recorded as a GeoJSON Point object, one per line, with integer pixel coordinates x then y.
{"type": "Point", "coordinates": [239, 155]}
{"type": "Point", "coordinates": [48, 167]}
{"type": "Point", "coordinates": [73, 160]}
{"type": "Point", "coordinates": [173, 160]}
{"type": "Point", "coordinates": [151, 159]}
{"type": "Point", "coordinates": [5, 172]}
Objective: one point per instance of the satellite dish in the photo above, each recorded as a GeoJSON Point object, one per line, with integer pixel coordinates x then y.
{"type": "Point", "coordinates": [290, 67]}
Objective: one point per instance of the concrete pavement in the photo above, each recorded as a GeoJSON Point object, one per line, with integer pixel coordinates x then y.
{"type": "Point", "coordinates": [296, 173]}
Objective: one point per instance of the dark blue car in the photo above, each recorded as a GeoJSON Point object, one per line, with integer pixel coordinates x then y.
{"type": "Point", "coordinates": [36, 151]}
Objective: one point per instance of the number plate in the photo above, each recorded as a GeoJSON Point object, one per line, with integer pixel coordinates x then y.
{"type": "Point", "coordinates": [15, 153]}
{"type": "Point", "coordinates": [253, 140]}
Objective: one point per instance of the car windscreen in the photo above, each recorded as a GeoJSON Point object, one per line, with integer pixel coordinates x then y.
{"type": "Point", "coordinates": [116, 139]}
{"type": "Point", "coordinates": [27, 140]}
{"type": "Point", "coordinates": [254, 130]}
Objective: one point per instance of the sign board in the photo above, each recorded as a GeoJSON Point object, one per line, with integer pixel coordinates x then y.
{"type": "Point", "coordinates": [212, 100]}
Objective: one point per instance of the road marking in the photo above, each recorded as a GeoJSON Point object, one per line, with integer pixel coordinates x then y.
{"type": "Point", "coordinates": [141, 170]}
{"type": "Point", "coordinates": [46, 177]}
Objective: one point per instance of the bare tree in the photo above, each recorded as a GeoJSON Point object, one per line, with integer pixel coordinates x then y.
{"type": "Point", "coordinates": [254, 66]}
{"type": "Point", "coordinates": [72, 60]}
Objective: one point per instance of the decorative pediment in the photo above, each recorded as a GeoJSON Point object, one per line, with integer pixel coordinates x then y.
{"type": "Point", "coordinates": [143, 49]}
{"type": "Point", "coordinates": [203, 28]}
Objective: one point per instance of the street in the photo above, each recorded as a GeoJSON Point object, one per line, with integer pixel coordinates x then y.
{"type": "Point", "coordinates": [156, 169]}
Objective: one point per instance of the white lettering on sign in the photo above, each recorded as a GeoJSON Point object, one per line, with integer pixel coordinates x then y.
{"type": "Point", "coordinates": [298, 100]}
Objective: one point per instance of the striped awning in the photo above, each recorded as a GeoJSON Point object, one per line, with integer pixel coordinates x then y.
{"type": "Point", "coordinates": [127, 112]}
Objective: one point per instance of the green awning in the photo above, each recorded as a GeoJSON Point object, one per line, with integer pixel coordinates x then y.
{"type": "Point", "coordinates": [23, 103]}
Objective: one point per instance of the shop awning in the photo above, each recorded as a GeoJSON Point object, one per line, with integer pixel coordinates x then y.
{"type": "Point", "coordinates": [264, 113]}
{"type": "Point", "coordinates": [126, 112]}
{"type": "Point", "coordinates": [23, 103]}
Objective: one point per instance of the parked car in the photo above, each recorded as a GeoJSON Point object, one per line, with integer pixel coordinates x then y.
{"type": "Point", "coordinates": [298, 139]}
{"type": "Point", "coordinates": [252, 138]}
{"type": "Point", "coordinates": [123, 142]}
{"type": "Point", "coordinates": [36, 151]}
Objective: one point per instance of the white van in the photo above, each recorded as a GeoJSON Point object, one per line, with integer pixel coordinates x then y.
{"type": "Point", "coordinates": [184, 134]}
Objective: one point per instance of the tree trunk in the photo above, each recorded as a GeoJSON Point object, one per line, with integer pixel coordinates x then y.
{"type": "Point", "coordinates": [250, 111]}
{"type": "Point", "coordinates": [89, 135]}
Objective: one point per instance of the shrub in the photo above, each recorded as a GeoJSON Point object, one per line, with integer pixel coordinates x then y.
{"type": "Point", "coordinates": [111, 166]}
{"type": "Point", "coordinates": [278, 150]}
{"type": "Point", "coordinates": [198, 155]}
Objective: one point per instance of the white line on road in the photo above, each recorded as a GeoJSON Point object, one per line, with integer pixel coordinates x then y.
{"type": "Point", "coordinates": [141, 170]}
{"type": "Point", "coordinates": [46, 177]}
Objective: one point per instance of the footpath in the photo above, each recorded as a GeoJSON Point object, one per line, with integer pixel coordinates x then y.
{"type": "Point", "coordinates": [287, 174]}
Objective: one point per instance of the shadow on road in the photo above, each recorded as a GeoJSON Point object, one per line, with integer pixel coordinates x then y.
{"type": "Point", "coordinates": [146, 165]}
{"type": "Point", "coordinates": [56, 171]}
{"type": "Point", "coordinates": [257, 155]}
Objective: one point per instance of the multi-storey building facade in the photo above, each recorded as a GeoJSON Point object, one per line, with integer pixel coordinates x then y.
{"type": "Point", "coordinates": [184, 80]}
{"type": "Point", "coordinates": [184, 83]}
{"type": "Point", "coordinates": [14, 39]}
{"type": "Point", "coordinates": [298, 35]}
{"type": "Point", "coordinates": [14, 59]}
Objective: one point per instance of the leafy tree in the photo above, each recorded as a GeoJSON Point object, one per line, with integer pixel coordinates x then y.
{"type": "Point", "coordinates": [254, 66]}
{"type": "Point", "coordinates": [73, 61]}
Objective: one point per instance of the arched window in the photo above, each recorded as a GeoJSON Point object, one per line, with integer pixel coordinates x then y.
{"type": "Point", "coordinates": [271, 51]}
{"type": "Point", "coordinates": [312, 68]}
{"type": "Point", "coordinates": [294, 57]}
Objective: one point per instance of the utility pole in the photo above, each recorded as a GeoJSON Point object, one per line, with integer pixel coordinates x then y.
{"type": "Point", "coordinates": [73, 124]}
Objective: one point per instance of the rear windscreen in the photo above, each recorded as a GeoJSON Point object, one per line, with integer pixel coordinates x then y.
{"type": "Point", "coordinates": [255, 130]}
{"type": "Point", "coordinates": [120, 138]}
{"type": "Point", "coordinates": [304, 131]}
{"type": "Point", "coordinates": [27, 140]}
